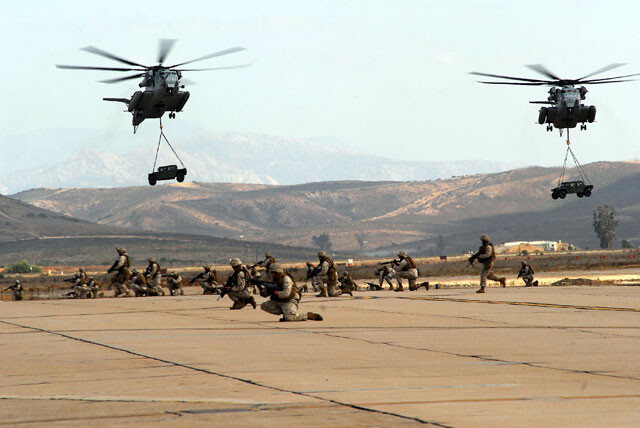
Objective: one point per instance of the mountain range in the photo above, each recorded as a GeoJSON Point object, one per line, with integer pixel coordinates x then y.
{"type": "Point", "coordinates": [511, 206]}
{"type": "Point", "coordinates": [238, 158]}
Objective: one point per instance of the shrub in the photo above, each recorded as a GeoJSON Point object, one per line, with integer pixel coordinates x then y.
{"type": "Point", "coordinates": [23, 266]}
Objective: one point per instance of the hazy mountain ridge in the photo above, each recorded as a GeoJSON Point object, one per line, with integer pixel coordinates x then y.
{"type": "Point", "coordinates": [238, 158]}
{"type": "Point", "coordinates": [385, 212]}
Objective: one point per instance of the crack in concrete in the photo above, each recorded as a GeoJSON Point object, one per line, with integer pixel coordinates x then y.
{"type": "Point", "coordinates": [236, 378]}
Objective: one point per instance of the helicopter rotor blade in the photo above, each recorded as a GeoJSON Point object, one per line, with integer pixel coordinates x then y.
{"type": "Point", "coordinates": [231, 67]}
{"type": "Point", "coordinates": [220, 53]}
{"type": "Point", "coordinates": [543, 70]}
{"type": "Point", "coordinates": [106, 54]}
{"type": "Point", "coordinates": [516, 83]}
{"type": "Point", "coordinates": [508, 77]}
{"type": "Point", "coordinates": [612, 81]}
{"type": "Point", "coordinates": [603, 69]}
{"type": "Point", "coordinates": [82, 67]}
{"type": "Point", "coordinates": [121, 79]}
{"type": "Point", "coordinates": [608, 78]}
{"type": "Point", "coordinates": [164, 48]}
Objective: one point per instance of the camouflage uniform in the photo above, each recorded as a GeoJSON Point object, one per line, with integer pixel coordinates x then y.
{"type": "Point", "coordinates": [139, 283]}
{"type": "Point", "coordinates": [174, 282]}
{"type": "Point", "coordinates": [93, 287]}
{"type": "Point", "coordinates": [17, 291]}
{"type": "Point", "coordinates": [486, 255]}
{"type": "Point", "coordinates": [238, 287]}
{"type": "Point", "coordinates": [408, 269]}
{"type": "Point", "coordinates": [80, 288]}
{"type": "Point", "coordinates": [208, 280]}
{"type": "Point", "coordinates": [386, 273]}
{"type": "Point", "coordinates": [328, 275]}
{"type": "Point", "coordinates": [154, 277]}
{"type": "Point", "coordinates": [347, 284]}
{"type": "Point", "coordinates": [526, 273]}
{"type": "Point", "coordinates": [122, 273]}
{"type": "Point", "coordinates": [285, 300]}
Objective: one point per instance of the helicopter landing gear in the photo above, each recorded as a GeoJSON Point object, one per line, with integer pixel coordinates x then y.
{"type": "Point", "coordinates": [172, 115]}
{"type": "Point", "coordinates": [583, 127]}
{"type": "Point", "coordinates": [549, 128]}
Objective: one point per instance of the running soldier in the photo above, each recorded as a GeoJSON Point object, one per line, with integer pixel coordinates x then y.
{"type": "Point", "coordinates": [486, 255]}
{"type": "Point", "coordinates": [285, 299]}
{"type": "Point", "coordinates": [122, 273]}
{"type": "Point", "coordinates": [17, 290]}
{"type": "Point", "coordinates": [407, 268]}
{"type": "Point", "coordinates": [174, 282]}
{"type": "Point", "coordinates": [526, 273]}
{"type": "Point", "coordinates": [238, 288]}
{"type": "Point", "coordinates": [154, 277]}
{"type": "Point", "coordinates": [208, 280]}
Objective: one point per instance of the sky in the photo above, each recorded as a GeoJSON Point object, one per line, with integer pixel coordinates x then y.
{"type": "Point", "coordinates": [388, 78]}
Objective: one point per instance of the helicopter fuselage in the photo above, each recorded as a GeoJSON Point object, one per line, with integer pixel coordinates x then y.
{"type": "Point", "coordinates": [161, 94]}
{"type": "Point", "coordinates": [566, 109]}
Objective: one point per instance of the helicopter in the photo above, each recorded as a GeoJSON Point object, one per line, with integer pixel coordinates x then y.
{"type": "Point", "coordinates": [565, 98]}
{"type": "Point", "coordinates": [162, 84]}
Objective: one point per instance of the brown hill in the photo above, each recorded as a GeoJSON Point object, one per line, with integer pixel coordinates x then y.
{"type": "Point", "coordinates": [45, 237]}
{"type": "Point", "coordinates": [513, 205]}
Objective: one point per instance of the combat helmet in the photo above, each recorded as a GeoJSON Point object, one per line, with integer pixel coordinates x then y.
{"type": "Point", "coordinates": [152, 260]}
{"type": "Point", "coordinates": [276, 268]}
{"type": "Point", "coordinates": [402, 254]}
{"type": "Point", "coordinates": [323, 254]}
{"type": "Point", "coordinates": [309, 264]}
{"type": "Point", "coordinates": [268, 254]}
{"type": "Point", "coordinates": [121, 250]}
{"type": "Point", "coordinates": [235, 262]}
{"type": "Point", "coordinates": [485, 238]}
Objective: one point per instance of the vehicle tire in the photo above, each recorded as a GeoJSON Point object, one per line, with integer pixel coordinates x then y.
{"type": "Point", "coordinates": [587, 192]}
{"type": "Point", "coordinates": [562, 194]}
{"type": "Point", "coordinates": [180, 178]}
{"type": "Point", "coordinates": [579, 195]}
{"type": "Point", "coordinates": [153, 180]}
{"type": "Point", "coordinates": [591, 115]}
{"type": "Point", "coordinates": [542, 116]}
{"type": "Point", "coordinates": [554, 194]}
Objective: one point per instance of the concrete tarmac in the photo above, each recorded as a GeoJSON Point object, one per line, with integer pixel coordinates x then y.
{"type": "Point", "coordinates": [525, 357]}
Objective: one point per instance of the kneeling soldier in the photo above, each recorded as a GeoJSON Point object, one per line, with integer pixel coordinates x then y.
{"type": "Point", "coordinates": [238, 287]}
{"type": "Point", "coordinates": [122, 273]}
{"type": "Point", "coordinates": [486, 255]}
{"type": "Point", "coordinates": [174, 282]}
{"type": "Point", "coordinates": [408, 269]}
{"type": "Point", "coordinates": [526, 273]}
{"type": "Point", "coordinates": [347, 284]}
{"type": "Point", "coordinates": [285, 298]}
{"type": "Point", "coordinates": [17, 290]}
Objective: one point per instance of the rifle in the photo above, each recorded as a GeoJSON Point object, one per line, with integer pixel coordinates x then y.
{"type": "Point", "coordinates": [195, 278]}
{"type": "Point", "coordinates": [225, 289]}
{"type": "Point", "coordinates": [391, 262]}
{"type": "Point", "coordinates": [374, 286]}
{"type": "Point", "coordinates": [266, 287]}
{"type": "Point", "coordinates": [8, 288]}
{"type": "Point", "coordinates": [70, 280]}
{"type": "Point", "coordinates": [471, 260]}
{"type": "Point", "coordinates": [313, 272]}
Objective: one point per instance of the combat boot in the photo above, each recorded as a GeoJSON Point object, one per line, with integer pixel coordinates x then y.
{"type": "Point", "coordinates": [535, 283]}
{"type": "Point", "coordinates": [313, 316]}
{"type": "Point", "coordinates": [481, 290]}
{"type": "Point", "coordinates": [399, 288]}
{"type": "Point", "coordinates": [348, 290]}
{"type": "Point", "coordinates": [252, 302]}
{"type": "Point", "coordinates": [323, 293]}
{"type": "Point", "coordinates": [237, 305]}
{"type": "Point", "coordinates": [503, 282]}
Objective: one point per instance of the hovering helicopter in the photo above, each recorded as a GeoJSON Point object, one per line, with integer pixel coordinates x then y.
{"type": "Point", "coordinates": [565, 98]}
{"type": "Point", "coordinates": [162, 85]}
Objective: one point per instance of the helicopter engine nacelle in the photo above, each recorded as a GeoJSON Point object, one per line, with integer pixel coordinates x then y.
{"type": "Point", "coordinates": [135, 101]}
